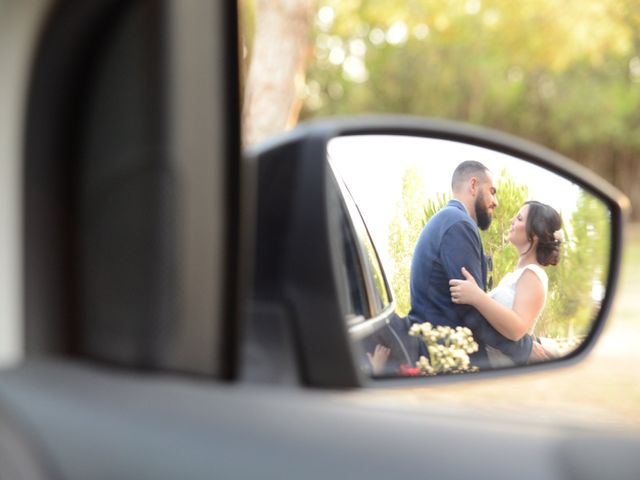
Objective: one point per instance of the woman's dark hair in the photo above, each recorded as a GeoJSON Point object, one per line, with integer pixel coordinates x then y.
{"type": "Point", "coordinates": [543, 222]}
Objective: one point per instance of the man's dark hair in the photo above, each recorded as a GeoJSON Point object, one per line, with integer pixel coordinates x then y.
{"type": "Point", "coordinates": [466, 170]}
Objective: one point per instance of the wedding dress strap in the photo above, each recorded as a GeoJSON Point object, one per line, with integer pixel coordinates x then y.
{"type": "Point", "coordinates": [540, 273]}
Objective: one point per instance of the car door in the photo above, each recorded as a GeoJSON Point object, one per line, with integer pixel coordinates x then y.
{"type": "Point", "coordinates": [128, 216]}
{"type": "Point", "coordinates": [371, 315]}
{"type": "Point", "coordinates": [137, 249]}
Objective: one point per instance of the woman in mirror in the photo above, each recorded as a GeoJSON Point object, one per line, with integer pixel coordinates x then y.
{"type": "Point", "coordinates": [515, 305]}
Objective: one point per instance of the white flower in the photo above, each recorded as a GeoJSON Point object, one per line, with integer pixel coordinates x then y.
{"type": "Point", "coordinates": [447, 348]}
{"type": "Point", "coordinates": [559, 235]}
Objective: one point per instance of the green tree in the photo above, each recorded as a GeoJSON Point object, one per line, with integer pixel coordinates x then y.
{"type": "Point", "coordinates": [404, 230]}
{"type": "Point", "coordinates": [574, 285]}
{"type": "Point", "coordinates": [511, 196]}
{"type": "Point", "coordinates": [521, 67]}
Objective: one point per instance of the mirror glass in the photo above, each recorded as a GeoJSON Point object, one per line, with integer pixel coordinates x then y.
{"type": "Point", "coordinates": [415, 211]}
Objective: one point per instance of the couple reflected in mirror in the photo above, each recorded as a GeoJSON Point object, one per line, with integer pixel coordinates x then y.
{"type": "Point", "coordinates": [448, 280]}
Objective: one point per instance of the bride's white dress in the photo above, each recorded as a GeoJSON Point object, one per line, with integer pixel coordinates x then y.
{"type": "Point", "coordinates": [505, 293]}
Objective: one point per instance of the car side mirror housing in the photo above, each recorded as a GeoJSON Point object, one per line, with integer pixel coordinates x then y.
{"type": "Point", "coordinates": [354, 280]}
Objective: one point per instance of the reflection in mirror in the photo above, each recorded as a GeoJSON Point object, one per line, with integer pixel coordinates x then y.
{"type": "Point", "coordinates": [535, 249]}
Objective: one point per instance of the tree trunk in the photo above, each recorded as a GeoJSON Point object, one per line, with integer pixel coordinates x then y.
{"type": "Point", "coordinates": [272, 97]}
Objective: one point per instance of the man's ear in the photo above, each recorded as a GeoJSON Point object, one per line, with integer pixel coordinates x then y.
{"type": "Point", "coordinates": [474, 184]}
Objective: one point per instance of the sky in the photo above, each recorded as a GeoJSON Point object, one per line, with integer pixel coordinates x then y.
{"type": "Point", "coordinates": [372, 167]}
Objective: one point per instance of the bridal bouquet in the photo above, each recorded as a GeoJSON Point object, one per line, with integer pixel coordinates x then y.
{"type": "Point", "coordinates": [449, 348]}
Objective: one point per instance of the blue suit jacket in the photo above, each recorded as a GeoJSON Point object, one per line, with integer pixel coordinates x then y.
{"type": "Point", "coordinates": [449, 241]}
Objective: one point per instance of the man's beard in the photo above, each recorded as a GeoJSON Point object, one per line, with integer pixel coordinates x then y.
{"type": "Point", "coordinates": [483, 217]}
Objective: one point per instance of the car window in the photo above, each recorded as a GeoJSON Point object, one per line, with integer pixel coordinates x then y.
{"type": "Point", "coordinates": [357, 307]}
{"type": "Point", "coordinates": [381, 296]}
{"type": "Point", "coordinates": [378, 294]}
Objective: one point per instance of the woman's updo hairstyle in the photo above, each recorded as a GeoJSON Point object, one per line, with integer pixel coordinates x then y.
{"type": "Point", "coordinates": [545, 223]}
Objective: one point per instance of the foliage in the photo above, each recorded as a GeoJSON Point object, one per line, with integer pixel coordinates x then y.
{"type": "Point", "coordinates": [495, 240]}
{"type": "Point", "coordinates": [571, 305]}
{"type": "Point", "coordinates": [404, 231]}
{"type": "Point", "coordinates": [564, 74]}
{"type": "Point", "coordinates": [434, 204]}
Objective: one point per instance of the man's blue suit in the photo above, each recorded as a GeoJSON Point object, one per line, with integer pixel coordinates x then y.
{"type": "Point", "coordinates": [449, 241]}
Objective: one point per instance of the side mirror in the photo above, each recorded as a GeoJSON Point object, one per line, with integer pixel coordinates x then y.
{"type": "Point", "coordinates": [352, 277]}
